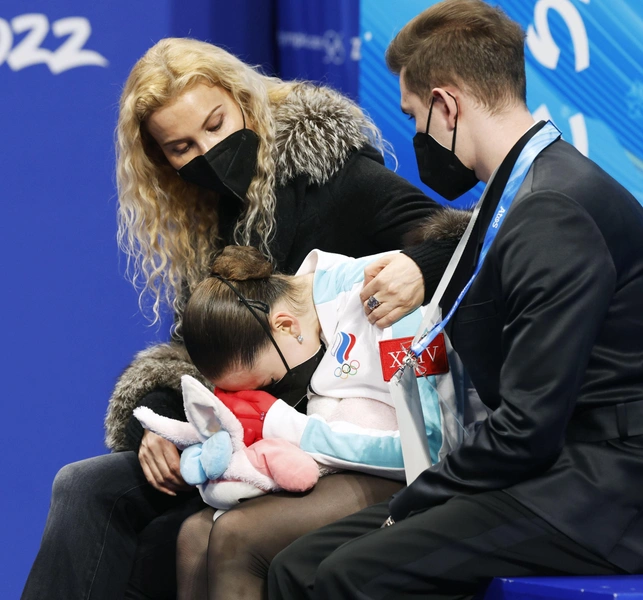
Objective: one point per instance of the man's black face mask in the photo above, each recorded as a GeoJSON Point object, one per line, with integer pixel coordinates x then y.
{"type": "Point", "coordinates": [439, 167]}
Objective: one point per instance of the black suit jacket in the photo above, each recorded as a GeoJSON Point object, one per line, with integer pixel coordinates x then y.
{"type": "Point", "coordinates": [552, 326]}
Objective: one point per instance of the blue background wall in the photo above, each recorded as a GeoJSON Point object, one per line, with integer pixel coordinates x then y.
{"type": "Point", "coordinates": [71, 320]}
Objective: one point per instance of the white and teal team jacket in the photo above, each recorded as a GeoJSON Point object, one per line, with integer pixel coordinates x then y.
{"type": "Point", "coordinates": [351, 368]}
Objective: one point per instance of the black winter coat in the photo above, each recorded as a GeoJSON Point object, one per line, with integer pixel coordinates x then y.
{"type": "Point", "coordinates": [551, 333]}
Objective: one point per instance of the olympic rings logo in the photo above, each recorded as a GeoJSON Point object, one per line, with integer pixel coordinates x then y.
{"type": "Point", "coordinates": [347, 369]}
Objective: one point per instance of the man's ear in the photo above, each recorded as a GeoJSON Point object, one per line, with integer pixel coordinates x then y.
{"type": "Point", "coordinates": [446, 104]}
{"type": "Point", "coordinates": [285, 322]}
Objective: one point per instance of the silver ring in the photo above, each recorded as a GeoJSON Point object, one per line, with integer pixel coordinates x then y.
{"type": "Point", "coordinates": [372, 303]}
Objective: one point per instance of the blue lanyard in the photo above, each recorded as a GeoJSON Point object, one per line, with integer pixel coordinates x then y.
{"type": "Point", "coordinates": [546, 136]}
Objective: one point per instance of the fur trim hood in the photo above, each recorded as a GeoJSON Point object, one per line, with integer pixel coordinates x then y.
{"type": "Point", "coordinates": [159, 366]}
{"type": "Point", "coordinates": [316, 129]}
{"type": "Point", "coordinates": [447, 224]}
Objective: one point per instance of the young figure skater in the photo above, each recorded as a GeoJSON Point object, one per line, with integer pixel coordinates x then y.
{"type": "Point", "coordinates": [247, 328]}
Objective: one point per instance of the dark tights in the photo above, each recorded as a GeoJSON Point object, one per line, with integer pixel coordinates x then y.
{"type": "Point", "coordinates": [230, 558]}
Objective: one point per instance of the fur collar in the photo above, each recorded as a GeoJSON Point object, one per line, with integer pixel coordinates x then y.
{"type": "Point", "coordinates": [160, 366]}
{"type": "Point", "coordinates": [447, 224]}
{"type": "Point", "coordinates": [316, 129]}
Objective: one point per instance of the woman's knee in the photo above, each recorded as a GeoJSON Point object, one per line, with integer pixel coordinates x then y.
{"type": "Point", "coordinates": [194, 535]}
{"type": "Point", "coordinates": [231, 532]}
{"type": "Point", "coordinates": [71, 480]}
{"type": "Point", "coordinates": [96, 478]}
{"type": "Point", "coordinates": [236, 537]}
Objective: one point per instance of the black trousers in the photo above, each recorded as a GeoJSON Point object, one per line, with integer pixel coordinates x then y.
{"type": "Point", "coordinates": [109, 534]}
{"type": "Point", "coordinates": [450, 551]}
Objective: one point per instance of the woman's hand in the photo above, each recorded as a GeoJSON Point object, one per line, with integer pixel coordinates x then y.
{"type": "Point", "coordinates": [160, 461]}
{"type": "Point", "coordinates": [396, 282]}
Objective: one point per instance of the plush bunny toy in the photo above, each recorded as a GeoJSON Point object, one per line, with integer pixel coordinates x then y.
{"type": "Point", "coordinates": [215, 457]}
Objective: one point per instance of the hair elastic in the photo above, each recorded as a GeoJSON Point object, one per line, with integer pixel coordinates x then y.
{"type": "Point", "coordinates": [251, 305]}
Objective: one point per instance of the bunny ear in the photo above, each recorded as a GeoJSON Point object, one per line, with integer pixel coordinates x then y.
{"type": "Point", "coordinates": [179, 433]}
{"type": "Point", "coordinates": [199, 407]}
{"type": "Point", "coordinates": [208, 414]}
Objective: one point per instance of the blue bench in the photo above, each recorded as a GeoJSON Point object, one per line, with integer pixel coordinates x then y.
{"type": "Point", "coordinates": [623, 587]}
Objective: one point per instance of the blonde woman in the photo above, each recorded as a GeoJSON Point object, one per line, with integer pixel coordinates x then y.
{"type": "Point", "coordinates": [210, 152]}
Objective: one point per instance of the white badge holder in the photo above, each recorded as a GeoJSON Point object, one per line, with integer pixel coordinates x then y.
{"type": "Point", "coordinates": [403, 385]}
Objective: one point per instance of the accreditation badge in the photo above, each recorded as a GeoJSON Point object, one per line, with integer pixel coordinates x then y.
{"type": "Point", "coordinates": [433, 361]}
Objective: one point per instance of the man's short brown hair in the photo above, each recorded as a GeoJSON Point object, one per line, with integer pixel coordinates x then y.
{"type": "Point", "coordinates": [466, 43]}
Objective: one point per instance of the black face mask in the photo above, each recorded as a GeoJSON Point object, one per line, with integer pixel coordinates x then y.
{"type": "Point", "coordinates": [292, 388]}
{"type": "Point", "coordinates": [228, 167]}
{"type": "Point", "coordinates": [439, 167]}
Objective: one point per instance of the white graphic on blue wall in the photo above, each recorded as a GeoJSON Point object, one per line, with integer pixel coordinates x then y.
{"type": "Point", "coordinates": [28, 50]}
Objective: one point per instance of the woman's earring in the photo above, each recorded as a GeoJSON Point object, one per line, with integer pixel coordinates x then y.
{"type": "Point", "coordinates": [300, 338]}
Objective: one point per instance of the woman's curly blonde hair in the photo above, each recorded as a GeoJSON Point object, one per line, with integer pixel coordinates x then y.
{"type": "Point", "coordinates": [166, 226]}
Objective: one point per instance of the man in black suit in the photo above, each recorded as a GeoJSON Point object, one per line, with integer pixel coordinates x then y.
{"type": "Point", "coordinates": [550, 330]}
